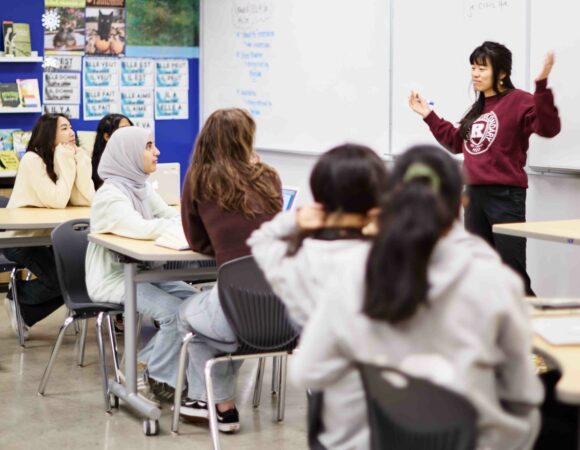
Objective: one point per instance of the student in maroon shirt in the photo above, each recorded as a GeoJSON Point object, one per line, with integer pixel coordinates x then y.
{"type": "Point", "coordinates": [228, 193]}
{"type": "Point", "coordinates": [494, 139]}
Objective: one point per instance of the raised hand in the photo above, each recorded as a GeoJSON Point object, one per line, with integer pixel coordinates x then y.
{"type": "Point", "coordinates": [547, 68]}
{"type": "Point", "coordinates": [418, 104]}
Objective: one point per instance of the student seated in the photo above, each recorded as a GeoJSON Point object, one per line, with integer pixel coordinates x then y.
{"type": "Point", "coordinates": [228, 193]}
{"type": "Point", "coordinates": [106, 127]}
{"type": "Point", "coordinates": [126, 205]}
{"type": "Point", "coordinates": [433, 301]}
{"type": "Point", "coordinates": [53, 173]}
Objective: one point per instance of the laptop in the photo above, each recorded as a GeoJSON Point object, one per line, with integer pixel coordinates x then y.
{"type": "Point", "coordinates": [166, 180]}
{"type": "Point", "coordinates": [288, 196]}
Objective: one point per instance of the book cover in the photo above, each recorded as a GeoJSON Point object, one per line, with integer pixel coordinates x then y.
{"type": "Point", "coordinates": [29, 92]}
{"type": "Point", "coordinates": [6, 142]}
{"type": "Point", "coordinates": [9, 97]}
{"type": "Point", "coordinates": [7, 36]}
{"type": "Point", "coordinates": [21, 46]}
{"type": "Point", "coordinates": [8, 160]}
{"type": "Point", "coordinates": [20, 141]}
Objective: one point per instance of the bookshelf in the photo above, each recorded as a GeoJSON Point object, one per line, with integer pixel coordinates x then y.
{"type": "Point", "coordinates": [7, 110]}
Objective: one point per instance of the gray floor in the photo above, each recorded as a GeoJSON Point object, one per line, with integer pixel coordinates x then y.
{"type": "Point", "coordinates": [71, 416]}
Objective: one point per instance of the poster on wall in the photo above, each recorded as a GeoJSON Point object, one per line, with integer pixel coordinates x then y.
{"type": "Point", "coordinates": [172, 73]}
{"type": "Point", "coordinates": [137, 72]}
{"type": "Point", "coordinates": [99, 101]}
{"type": "Point", "coordinates": [72, 111]}
{"type": "Point", "coordinates": [105, 30]}
{"type": "Point", "coordinates": [61, 87]}
{"type": "Point", "coordinates": [171, 104]}
{"type": "Point", "coordinates": [116, 3]}
{"type": "Point", "coordinates": [161, 28]}
{"type": "Point", "coordinates": [137, 102]}
{"type": "Point", "coordinates": [100, 72]}
{"type": "Point", "coordinates": [64, 27]}
{"type": "Point", "coordinates": [58, 63]}
{"type": "Point", "coordinates": [148, 124]}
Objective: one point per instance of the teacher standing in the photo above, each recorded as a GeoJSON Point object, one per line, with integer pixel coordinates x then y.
{"type": "Point", "coordinates": [494, 137]}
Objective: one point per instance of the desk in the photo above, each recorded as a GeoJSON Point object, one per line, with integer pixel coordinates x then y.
{"type": "Point", "coordinates": [564, 231]}
{"type": "Point", "coordinates": [34, 219]}
{"type": "Point", "coordinates": [179, 265]}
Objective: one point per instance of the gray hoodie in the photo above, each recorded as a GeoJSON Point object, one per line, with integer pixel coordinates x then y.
{"type": "Point", "coordinates": [473, 337]}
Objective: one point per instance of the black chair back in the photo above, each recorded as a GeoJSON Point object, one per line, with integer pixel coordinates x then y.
{"type": "Point", "coordinates": [257, 316]}
{"type": "Point", "coordinates": [405, 412]}
{"type": "Point", "coordinates": [69, 243]}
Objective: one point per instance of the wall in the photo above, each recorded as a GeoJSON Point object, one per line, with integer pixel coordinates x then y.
{"type": "Point", "coordinates": [174, 137]}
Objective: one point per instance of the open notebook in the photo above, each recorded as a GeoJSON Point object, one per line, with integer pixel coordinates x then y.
{"type": "Point", "coordinates": [558, 330]}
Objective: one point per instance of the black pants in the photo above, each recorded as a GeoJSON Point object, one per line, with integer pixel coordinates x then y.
{"type": "Point", "coordinates": [489, 205]}
{"type": "Point", "coordinates": [40, 297]}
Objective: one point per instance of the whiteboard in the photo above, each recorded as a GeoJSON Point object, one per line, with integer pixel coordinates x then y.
{"type": "Point", "coordinates": [554, 25]}
{"type": "Point", "coordinates": [313, 73]}
{"type": "Point", "coordinates": [431, 44]}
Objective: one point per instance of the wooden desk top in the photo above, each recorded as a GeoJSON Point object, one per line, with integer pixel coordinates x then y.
{"type": "Point", "coordinates": [564, 231]}
{"type": "Point", "coordinates": [566, 357]}
{"type": "Point", "coordinates": [144, 250]}
{"type": "Point", "coordinates": [36, 218]}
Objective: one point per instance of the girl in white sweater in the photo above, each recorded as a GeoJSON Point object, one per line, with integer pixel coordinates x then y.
{"type": "Point", "coordinates": [433, 301]}
{"type": "Point", "coordinates": [126, 205]}
{"type": "Point", "coordinates": [53, 173]}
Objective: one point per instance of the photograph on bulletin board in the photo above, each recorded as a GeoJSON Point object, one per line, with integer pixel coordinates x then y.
{"type": "Point", "coordinates": [163, 28]}
{"type": "Point", "coordinates": [64, 27]}
{"type": "Point", "coordinates": [105, 31]}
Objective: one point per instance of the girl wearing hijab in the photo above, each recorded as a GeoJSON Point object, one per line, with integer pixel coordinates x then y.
{"type": "Point", "coordinates": [127, 206]}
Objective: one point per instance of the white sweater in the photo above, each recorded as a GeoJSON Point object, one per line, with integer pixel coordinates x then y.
{"type": "Point", "coordinates": [474, 337]}
{"type": "Point", "coordinates": [33, 186]}
{"type": "Point", "coordinates": [113, 212]}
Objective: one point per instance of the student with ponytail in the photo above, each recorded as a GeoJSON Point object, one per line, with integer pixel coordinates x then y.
{"type": "Point", "coordinates": [494, 138]}
{"type": "Point", "coordinates": [432, 301]}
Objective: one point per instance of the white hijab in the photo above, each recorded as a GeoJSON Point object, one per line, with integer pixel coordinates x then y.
{"type": "Point", "coordinates": [122, 165]}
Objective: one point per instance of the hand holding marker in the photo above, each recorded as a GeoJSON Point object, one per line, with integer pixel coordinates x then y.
{"type": "Point", "coordinates": [418, 104]}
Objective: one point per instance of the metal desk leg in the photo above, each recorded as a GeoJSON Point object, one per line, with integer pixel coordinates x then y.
{"type": "Point", "coordinates": [129, 392]}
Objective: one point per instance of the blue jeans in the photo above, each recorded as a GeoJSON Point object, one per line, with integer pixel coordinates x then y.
{"type": "Point", "coordinates": [203, 313]}
{"type": "Point", "coordinates": [161, 302]}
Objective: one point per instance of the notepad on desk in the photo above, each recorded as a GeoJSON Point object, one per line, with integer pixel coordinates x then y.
{"type": "Point", "coordinates": [173, 238]}
{"type": "Point", "coordinates": [558, 330]}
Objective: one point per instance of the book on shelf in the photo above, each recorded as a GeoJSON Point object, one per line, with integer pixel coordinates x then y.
{"type": "Point", "coordinates": [29, 92]}
{"type": "Point", "coordinates": [9, 96]}
{"type": "Point", "coordinates": [6, 140]}
{"type": "Point", "coordinates": [8, 160]}
{"type": "Point", "coordinates": [20, 141]}
{"type": "Point", "coordinates": [16, 38]}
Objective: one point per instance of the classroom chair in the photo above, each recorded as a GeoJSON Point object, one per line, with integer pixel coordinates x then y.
{"type": "Point", "coordinates": [69, 243]}
{"type": "Point", "coordinates": [406, 412]}
{"type": "Point", "coordinates": [261, 325]}
{"type": "Point", "coordinates": [9, 266]}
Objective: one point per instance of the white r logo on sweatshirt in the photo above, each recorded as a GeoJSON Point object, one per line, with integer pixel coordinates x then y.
{"type": "Point", "coordinates": [483, 132]}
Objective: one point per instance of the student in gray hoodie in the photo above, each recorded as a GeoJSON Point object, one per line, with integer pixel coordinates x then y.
{"type": "Point", "coordinates": [433, 301]}
{"type": "Point", "coordinates": [303, 252]}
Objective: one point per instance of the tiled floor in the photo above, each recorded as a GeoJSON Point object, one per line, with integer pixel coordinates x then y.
{"type": "Point", "coordinates": [71, 416]}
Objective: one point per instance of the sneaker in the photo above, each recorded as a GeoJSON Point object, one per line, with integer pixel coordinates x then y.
{"type": "Point", "coordinates": [162, 391]}
{"type": "Point", "coordinates": [228, 421]}
{"type": "Point", "coordinates": [193, 410]}
{"type": "Point", "coordinates": [11, 309]}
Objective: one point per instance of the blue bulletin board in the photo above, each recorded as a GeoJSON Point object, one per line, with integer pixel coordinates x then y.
{"type": "Point", "coordinates": [174, 138]}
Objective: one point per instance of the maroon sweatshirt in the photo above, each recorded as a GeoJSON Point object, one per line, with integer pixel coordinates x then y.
{"type": "Point", "coordinates": [497, 149]}
{"type": "Point", "coordinates": [212, 231]}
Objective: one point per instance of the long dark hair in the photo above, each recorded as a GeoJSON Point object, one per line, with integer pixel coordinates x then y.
{"type": "Point", "coordinates": [42, 140]}
{"type": "Point", "coordinates": [500, 59]}
{"type": "Point", "coordinates": [107, 125]}
{"type": "Point", "coordinates": [223, 171]}
{"type": "Point", "coordinates": [349, 178]}
{"type": "Point", "coordinates": [423, 202]}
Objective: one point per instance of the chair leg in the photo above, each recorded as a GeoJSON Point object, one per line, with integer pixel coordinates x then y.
{"type": "Point", "coordinates": [275, 375]}
{"type": "Point", "coordinates": [84, 325]}
{"type": "Point", "coordinates": [181, 369]}
{"type": "Point", "coordinates": [259, 381]}
{"type": "Point", "coordinates": [103, 361]}
{"type": "Point", "coordinates": [114, 348]}
{"type": "Point", "coordinates": [19, 322]}
{"type": "Point", "coordinates": [282, 387]}
{"type": "Point", "coordinates": [211, 406]}
{"type": "Point", "coordinates": [53, 355]}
